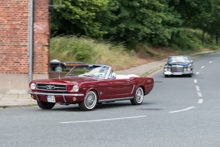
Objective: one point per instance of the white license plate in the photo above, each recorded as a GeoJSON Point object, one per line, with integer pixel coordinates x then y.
{"type": "Point", "coordinates": [51, 98]}
{"type": "Point", "coordinates": [177, 73]}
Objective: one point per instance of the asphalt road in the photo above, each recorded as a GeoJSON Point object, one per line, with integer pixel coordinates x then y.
{"type": "Point", "coordinates": [179, 112]}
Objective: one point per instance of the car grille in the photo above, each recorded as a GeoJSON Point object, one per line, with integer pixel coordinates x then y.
{"type": "Point", "coordinates": [177, 68]}
{"type": "Point", "coordinates": [53, 87]}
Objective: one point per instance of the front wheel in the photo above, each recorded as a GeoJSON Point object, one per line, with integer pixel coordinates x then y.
{"type": "Point", "coordinates": [138, 97]}
{"type": "Point", "coordinates": [45, 105]}
{"type": "Point", "coordinates": [89, 102]}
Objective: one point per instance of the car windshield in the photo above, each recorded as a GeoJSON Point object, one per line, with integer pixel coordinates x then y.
{"type": "Point", "coordinates": [89, 71]}
{"type": "Point", "coordinates": [176, 59]}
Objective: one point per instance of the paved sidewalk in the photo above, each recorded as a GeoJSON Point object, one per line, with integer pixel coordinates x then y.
{"type": "Point", "coordinates": [14, 100]}
{"type": "Point", "coordinates": [24, 100]}
{"type": "Point", "coordinates": [144, 69]}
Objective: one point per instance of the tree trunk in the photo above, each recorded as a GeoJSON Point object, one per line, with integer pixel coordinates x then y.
{"type": "Point", "coordinates": [203, 36]}
{"type": "Point", "coordinates": [216, 38]}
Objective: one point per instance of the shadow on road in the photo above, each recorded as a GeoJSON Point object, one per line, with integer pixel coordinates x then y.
{"type": "Point", "coordinates": [104, 106]}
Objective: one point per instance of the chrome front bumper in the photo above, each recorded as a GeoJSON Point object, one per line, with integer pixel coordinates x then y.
{"type": "Point", "coordinates": [55, 94]}
{"type": "Point", "coordinates": [177, 73]}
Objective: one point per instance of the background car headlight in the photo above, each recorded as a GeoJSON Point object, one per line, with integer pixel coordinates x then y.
{"type": "Point", "coordinates": [75, 88]}
{"type": "Point", "coordinates": [33, 85]}
{"type": "Point", "coordinates": [165, 69]}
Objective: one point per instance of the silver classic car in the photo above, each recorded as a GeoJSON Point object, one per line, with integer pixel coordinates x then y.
{"type": "Point", "coordinates": [178, 65]}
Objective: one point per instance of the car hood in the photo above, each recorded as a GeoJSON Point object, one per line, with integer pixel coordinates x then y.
{"type": "Point", "coordinates": [66, 80]}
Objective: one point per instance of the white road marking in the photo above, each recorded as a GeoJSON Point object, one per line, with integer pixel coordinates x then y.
{"type": "Point", "coordinates": [99, 120]}
{"type": "Point", "coordinates": [197, 73]}
{"type": "Point", "coordinates": [197, 88]}
{"type": "Point", "coordinates": [202, 66]}
{"type": "Point", "coordinates": [200, 101]}
{"type": "Point", "coordinates": [195, 80]}
{"type": "Point", "coordinates": [182, 110]}
{"type": "Point", "coordinates": [210, 61]}
{"type": "Point", "coordinates": [199, 94]}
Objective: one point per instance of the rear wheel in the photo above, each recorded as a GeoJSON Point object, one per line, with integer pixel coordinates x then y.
{"type": "Point", "coordinates": [89, 102]}
{"type": "Point", "coordinates": [138, 97]}
{"type": "Point", "coordinates": [45, 105]}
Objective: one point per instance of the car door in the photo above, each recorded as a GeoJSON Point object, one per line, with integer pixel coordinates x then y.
{"type": "Point", "coordinates": [119, 88]}
{"type": "Point", "coordinates": [115, 88]}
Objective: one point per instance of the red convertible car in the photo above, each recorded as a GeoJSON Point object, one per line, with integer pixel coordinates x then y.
{"type": "Point", "coordinates": [88, 85]}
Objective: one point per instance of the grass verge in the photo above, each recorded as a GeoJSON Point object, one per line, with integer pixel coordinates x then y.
{"type": "Point", "coordinates": [73, 49]}
{"type": "Point", "coordinates": [90, 51]}
{"type": "Point", "coordinates": [3, 107]}
{"type": "Point", "coordinates": [204, 54]}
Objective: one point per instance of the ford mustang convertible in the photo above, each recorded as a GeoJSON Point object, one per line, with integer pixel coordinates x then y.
{"type": "Point", "coordinates": [89, 85]}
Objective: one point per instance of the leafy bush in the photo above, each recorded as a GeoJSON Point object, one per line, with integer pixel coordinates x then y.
{"type": "Point", "coordinates": [84, 49]}
{"type": "Point", "coordinates": [186, 39]}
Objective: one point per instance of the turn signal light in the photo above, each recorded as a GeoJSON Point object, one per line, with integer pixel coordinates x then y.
{"type": "Point", "coordinates": [74, 99]}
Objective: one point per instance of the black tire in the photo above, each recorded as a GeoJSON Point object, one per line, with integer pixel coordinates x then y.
{"type": "Point", "coordinates": [138, 97]}
{"type": "Point", "coordinates": [90, 101]}
{"type": "Point", "coordinates": [189, 75]}
{"type": "Point", "coordinates": [165, 76]}
{"type": "Point", "coordinates": [45, 105]}
{"type": "Point", "coordinates": [59, 68]}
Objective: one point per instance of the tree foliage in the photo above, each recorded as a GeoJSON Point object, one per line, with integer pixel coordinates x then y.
{"type": "Point", "coordinates": [78, 17]}
{"type": "Point", "coordinates": [213, 28]}
{"type": "Point", "coordinates": [141, 21]}
{"type": "Point", "coordinates": [154, 21]}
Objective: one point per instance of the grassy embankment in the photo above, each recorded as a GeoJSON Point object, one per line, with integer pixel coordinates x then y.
{"type": "Point", "coordinates": [90, 51]}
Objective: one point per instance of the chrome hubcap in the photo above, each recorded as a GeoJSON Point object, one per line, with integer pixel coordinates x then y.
{"type": "Point", "coordinates": [90, 100]}
{"type": "Point", "coordinates": [139, 95]}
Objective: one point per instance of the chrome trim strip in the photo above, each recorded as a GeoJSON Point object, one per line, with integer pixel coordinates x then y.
{"type": "Point", "coordinates": [56, 94]}
{"type": "Point", "coordinates": [37, 97]}
{"type": "Point", "coordinates": [64, 99]}
{"type": "Point", "coordinates": [108, 73]}
{"type": "Point", "coordinates": [116, 99]}
{"type": "Point", "coordinates": [51, 84]}
{"type": "Point", "coordinates": [132, 89]}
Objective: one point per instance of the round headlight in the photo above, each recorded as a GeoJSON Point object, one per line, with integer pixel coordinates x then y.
{"type": "Point", "coordinates": [165, 68]}
{"type": "Point", "coordinates": [33, 85]}
{"type": "Point", "coordinates": [75, 88]}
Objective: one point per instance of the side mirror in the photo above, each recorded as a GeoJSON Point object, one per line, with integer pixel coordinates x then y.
{"type": "Point", "coordinates": [113, 75]}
